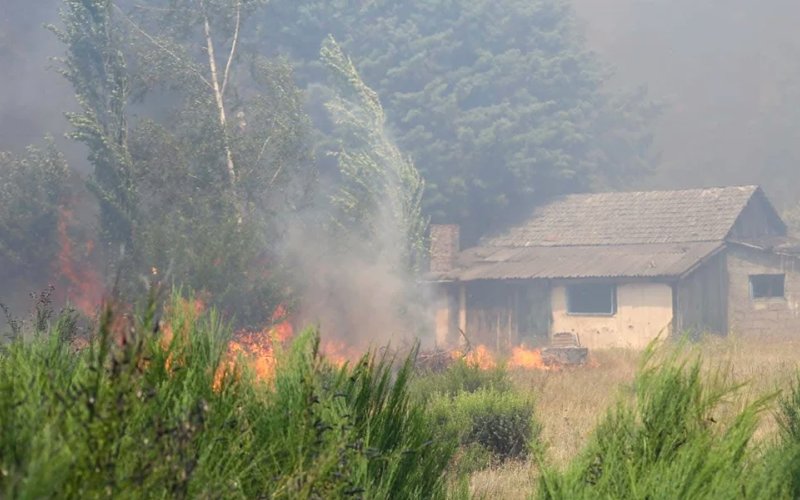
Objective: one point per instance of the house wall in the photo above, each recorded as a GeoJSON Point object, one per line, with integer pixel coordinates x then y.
{"type": "Point", "coordinates": [644, 310]}
{"type": "Point", "coordinates": [497, 313]}
{"type": "Point", "coordinates": [534, 313]}
{"type": "Point", "coordinates": [446, 314]}
{"type": "Point", "coordinates": [490, 314]}
{"type": "Point", "coordinates": [762, 317]}
{"type": "Point", "coordinates": [758, 220]}
{"type": "Point", "coordinates": [702, 299]}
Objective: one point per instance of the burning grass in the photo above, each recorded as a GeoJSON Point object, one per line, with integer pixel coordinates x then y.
{"type": "Point", "coordinates": [141, 412]}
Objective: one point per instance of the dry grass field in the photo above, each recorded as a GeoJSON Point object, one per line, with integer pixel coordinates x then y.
{"type": "Point", "coordinates": [571, 401]}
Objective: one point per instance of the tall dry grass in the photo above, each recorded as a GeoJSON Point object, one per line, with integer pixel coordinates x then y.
{"type": "Point", "coordinates": [571, 402]}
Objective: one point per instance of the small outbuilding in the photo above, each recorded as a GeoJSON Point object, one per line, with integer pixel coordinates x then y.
{"type": "Point", "coordinates": [619, 269]}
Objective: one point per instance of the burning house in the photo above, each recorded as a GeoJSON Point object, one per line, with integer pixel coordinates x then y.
{"type": "Point", "coordinates": [619, 269]}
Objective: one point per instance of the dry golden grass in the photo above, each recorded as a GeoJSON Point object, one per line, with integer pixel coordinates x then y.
{"type": "Point", "coordinates": [571, 401]}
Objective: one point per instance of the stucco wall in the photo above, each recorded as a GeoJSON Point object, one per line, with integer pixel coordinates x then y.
{"type": "Point", "coordinates": [748, 316]}
{"type": "Point", "coordinates": [644, 310]}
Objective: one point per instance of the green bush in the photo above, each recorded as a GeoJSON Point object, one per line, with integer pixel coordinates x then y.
{"type": "Point", "coordinates": [779, 471]}
{"type": "Point", "coordinates": [460, 377]}
{"type": "Point", "coordinates": [491, 426]}
{"type": "Point", "coordinates": [668, 443]}
{"type": "Point", "coordinates": [139, 414]}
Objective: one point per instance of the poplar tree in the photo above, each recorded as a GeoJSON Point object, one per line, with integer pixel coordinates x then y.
{"type": "Point", "coordinates": [380, 197]}
{"type": "Point", "coordinates": [198, 143]}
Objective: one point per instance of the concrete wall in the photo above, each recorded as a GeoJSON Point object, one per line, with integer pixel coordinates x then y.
{"type": "Point", "coordinates": [762, 317]}
{"type": "Point", "coordinates": [644, 310]}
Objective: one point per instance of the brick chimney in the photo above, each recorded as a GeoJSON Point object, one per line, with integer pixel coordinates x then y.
{"type": "Point", "coordinates": [445, 243]}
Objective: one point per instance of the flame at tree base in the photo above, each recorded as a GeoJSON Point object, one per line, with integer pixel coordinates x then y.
{"type": "Point", "coordinates": [84, 284]}
{"type": "Point", "coordinates": [256, 349]}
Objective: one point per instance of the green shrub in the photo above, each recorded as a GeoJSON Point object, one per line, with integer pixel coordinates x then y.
{"type": "Point", "coordinates": [779, 473]}
{"type": "Point", "coordinates": [460, 377]}
{"type": "Point", "coordinates": [136, 414]}
{"type": "Point", "coordinates": [491, 426]}
{"type": "Point", "coordinates": [667, 444]}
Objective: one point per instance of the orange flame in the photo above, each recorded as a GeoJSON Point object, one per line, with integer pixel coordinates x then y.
{"type": "Point", "coordinates": [338, 353]}
{"type": "Point", "coordinates": [256, 348]}
{"type": "Point", "coordinates": [480, 356]}
{"type": "Point", "coordinates": [527, 359]}
{"type": "Point", "coordinates": [521, 358]}
{"type": "Point", "coordinates": [85, 288]}
{"type": "Point", "coordinates": [282, 329]}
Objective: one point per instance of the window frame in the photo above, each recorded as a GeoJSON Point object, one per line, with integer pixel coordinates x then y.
{"type": "Point", "coordinates": [781, 276]}
{"type": "Point", "coordinates": [612, 287]}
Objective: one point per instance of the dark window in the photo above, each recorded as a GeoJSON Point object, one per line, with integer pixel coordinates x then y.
{"type": "Point", "coordinates": [592, 299]}
{"type": "Point", "coordinates": [766, 286]}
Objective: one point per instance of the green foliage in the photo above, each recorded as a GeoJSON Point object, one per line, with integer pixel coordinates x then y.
{"type": "Point", "coordinates": [32, 188]}
{"type": "Point", "coordinates": [138, 415]}
{"type": "Point", "coordinates": [668, 443]}
{"type": "Point", "coordinates": [789, 414]}
{"type": "Point", "coordinates": [460, 377]}
{"type": "Point", "coordinates": [499, 103]}
{"type": "Point", "coordinates": [491, 426]}
{"type": "Point", "coordinates": [478, 409]}
{"type": "Point", "coordinates": [194, 183]}
{"type": "Point", "coordinates": [97, 69]}
{"type": "Point", "coordinates": [380, 198]}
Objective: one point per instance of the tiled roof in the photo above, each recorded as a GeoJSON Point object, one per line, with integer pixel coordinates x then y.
{"type": "Point", "coordinates": [621, 218]}
{"type": "Point", "coordinates": [547, 262]}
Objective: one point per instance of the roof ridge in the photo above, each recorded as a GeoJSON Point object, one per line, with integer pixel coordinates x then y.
{"type": "Point", "coordinates": [750, 187]}
{"type": "Point", "coordinates": [600, 245]}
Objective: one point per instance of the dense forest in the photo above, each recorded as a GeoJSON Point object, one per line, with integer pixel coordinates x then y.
{"type": "Point", "coordinates": [209, 142]}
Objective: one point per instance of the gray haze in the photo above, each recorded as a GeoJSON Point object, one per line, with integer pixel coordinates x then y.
{"type": "Point", "coordinates": [729, 74]}
{"type": "Point", "coordinates": [33, 97]}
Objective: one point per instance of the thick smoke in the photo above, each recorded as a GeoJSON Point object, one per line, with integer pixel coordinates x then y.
{"type": "Point", "coordinates": [728, 72]}
{"type": "Point", "coordinates": [33, 96]}
{"type": "Point", "coordinates": [361, 269]}
{"type": "Point", "coordinates": [359, 299]}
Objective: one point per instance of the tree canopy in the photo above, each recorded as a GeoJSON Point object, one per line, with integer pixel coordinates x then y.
{"type": "Point", "coordinates": [499, 103]}
{"type": "Point", "coordinates": [197, 143]}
